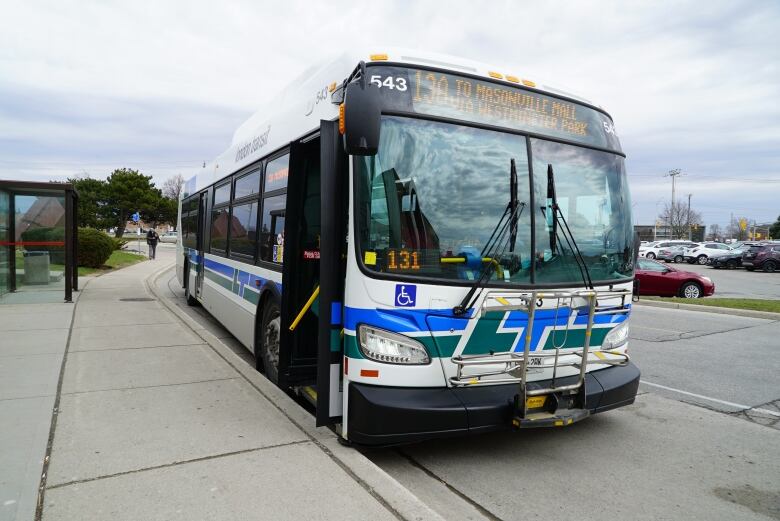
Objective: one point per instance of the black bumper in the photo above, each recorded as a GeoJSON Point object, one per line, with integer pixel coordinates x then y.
{"type": "Point", "coordinates": [394, 415]}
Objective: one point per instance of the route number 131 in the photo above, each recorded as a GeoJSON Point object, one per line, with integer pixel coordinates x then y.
{"type": "Point", "coordinates": [390, 82]}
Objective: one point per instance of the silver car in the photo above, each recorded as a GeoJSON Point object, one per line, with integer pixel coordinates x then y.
{"type": "Point", "coordinates": [169, 237]}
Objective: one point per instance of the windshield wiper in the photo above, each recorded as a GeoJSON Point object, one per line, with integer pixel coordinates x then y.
{"type": "Point", "coordinates": [507, 223]}
{"type": "Point", "coordinates": [566, 231]}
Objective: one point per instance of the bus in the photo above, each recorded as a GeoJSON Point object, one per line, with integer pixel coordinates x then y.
{"type": "Point", "coordinates": [422, 246]}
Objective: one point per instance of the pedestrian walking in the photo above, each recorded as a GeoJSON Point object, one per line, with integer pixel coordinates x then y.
{"type": "Point", "coordinates": [151, 239]}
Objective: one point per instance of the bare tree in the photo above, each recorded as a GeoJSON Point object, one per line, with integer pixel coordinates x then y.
{"type": "Point", "coordinates": [171, 188]}
{"type": "Point", "coordinates": [715, 232]}
{"type": "Point", "coordinates": [679, 218]}
{"type": "Point", "coordinates": [735, 229]}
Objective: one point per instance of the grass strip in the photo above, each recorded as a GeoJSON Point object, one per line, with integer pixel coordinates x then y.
{"type": "Point", "coordinates": [753, 304]}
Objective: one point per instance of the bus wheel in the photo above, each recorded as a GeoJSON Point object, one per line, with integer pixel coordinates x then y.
{"type": "Point", "coordinates": [269, 340]}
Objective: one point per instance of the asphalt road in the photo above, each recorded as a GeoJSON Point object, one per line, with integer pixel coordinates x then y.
{"type": "Point", "coordinates": [737, 283]}
{"type": "Point", "coordinates": [703, 446]}
{"type": "Point", "coordinates": [701, 441]}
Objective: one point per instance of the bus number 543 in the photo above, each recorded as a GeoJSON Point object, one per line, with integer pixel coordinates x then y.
{"type": "Point", "coordinates": [389, 82]}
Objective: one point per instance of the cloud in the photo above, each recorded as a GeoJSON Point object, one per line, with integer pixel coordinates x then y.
{"type": "Point", "coordinates": [165, 84]}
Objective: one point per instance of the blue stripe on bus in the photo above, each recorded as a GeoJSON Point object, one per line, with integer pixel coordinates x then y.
{"type": "Point", "coordinates": [217, 267]}
{"type": "Point", "coordinates": [335, 313]}
{"type": "Point", "coordinates": [436, 320]}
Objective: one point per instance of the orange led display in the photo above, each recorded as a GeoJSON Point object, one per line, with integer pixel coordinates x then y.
{"type": "Point", "coordinates": [403, 260]}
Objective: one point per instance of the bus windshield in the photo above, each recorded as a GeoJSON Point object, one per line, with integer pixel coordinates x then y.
{"type": "Point", "coordinates": [430, 199]}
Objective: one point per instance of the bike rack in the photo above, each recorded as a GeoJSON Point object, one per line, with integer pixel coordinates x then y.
{"type": "Point", "coordinates": [512, 367]}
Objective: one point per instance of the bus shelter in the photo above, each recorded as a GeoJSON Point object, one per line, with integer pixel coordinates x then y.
{"type": "Point", "coordinates": [38, 239]}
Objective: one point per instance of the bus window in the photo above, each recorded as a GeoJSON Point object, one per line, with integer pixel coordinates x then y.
{"type": "Point", "coordinates": [219, 228]}
{"type": "Point", "coordinates": [247, 185]}
{"type": "Point", "coordinates": [272, 230]}
{"type": "Point", "coordinates": [222, 194]}
{"type": "Point", "coordinates": [243, 229]}
{"type": "Point", "coordinates": [276, 174]}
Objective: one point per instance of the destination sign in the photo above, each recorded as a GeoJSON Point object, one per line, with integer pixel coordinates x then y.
{"type": "Point", "coordinates": [458, 97]}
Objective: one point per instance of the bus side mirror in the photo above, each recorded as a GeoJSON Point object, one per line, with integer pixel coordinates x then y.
{"type": "Point", "coordinates": [362, 115]}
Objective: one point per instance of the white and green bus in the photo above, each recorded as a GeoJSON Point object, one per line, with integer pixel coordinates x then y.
{"type": "Point", "coordinates": [424, 245]}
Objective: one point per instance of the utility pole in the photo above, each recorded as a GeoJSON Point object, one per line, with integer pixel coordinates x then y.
{"type": "Point", "coordinates": [689, 216]}
{"type": "Point", "coordinates": [672, 173]}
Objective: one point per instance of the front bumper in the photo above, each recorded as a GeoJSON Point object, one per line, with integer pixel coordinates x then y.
{"type": "Point", "coordinates": [394, 415]}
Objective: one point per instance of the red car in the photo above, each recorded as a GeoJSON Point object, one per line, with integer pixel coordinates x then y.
{"type": "Point", "coordinates": [664, 281]}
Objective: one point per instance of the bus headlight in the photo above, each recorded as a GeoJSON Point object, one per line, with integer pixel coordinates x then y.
{"type": "Point", "coordinates": [617, 337]}
{"type": "Point", "coordinates": [391, 348]}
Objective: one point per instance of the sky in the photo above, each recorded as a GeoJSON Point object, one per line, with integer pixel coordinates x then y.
{"type": "Point", "coordinates": [90, 86]}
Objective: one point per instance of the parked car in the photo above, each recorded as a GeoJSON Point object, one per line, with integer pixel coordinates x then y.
{"type": "Point", "coordinates": [169, 237]}
{"type": "Point", "coordinates": [764, 256]}
{"type": "Point", "coordinates": [703, 251]}
{"type": "Point", "coordinates": [651, 250]}
{"type": "Point", "coordinates": [730, 259]}
{"type": "Point", "coordinates": [665, 281]}
{"type": "Point", "coordinates": [674, 252]}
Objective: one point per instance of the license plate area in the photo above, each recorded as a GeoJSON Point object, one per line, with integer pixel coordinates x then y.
{"type": "Point", "coordinates": [535, 402]}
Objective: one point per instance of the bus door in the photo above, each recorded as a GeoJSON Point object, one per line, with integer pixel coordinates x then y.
{"type": "Point", "coordinates": [203, 214]}
{"type": "Point", "coordinates": [300, 276]}
{"type": "Point", "coordinates": [314, 270]}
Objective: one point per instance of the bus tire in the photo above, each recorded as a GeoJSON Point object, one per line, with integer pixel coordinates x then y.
{"type": "Point", "coordinates": [270, 331]}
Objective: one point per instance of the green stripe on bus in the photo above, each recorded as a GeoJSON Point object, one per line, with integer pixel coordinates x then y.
{"type": "Point", "coordinates": [251, 296]}
{"type": "Point", "coordinates": [575, 338]}
{"type": "Point", "coordinates": [219, 279]}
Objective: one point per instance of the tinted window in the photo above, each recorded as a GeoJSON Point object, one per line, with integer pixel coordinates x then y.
{"type": "Point", "coordinates": [219, 227]}
{"type": "Point", "coordinates": [222, 194]}
{"type": "Point", "coordinates": [243, 229]}
{"type": "Point", "coordinates": [272, 229]}
{"type": "Point", "coordinates": [650, 265]}
{"type": "Point", "coordinates": [247, 185]}
{"type": "Point", "coordinates": [276, 173]}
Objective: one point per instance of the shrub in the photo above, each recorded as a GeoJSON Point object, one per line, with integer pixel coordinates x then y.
{"type": "Point", "coordinates": [119, 244]}
{"type": "Point", "coordinates": [95, 247]}
{"type": "Point", "coordinates": [54, 234]}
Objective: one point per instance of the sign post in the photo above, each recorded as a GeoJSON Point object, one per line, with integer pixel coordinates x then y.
{"type": "Point", "coordinates": [136, 219]}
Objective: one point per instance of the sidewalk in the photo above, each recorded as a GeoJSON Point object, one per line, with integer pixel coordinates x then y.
{"type": "Point", "coordinates": [158, 420]}
{"type": "Point", "coordinates": [32, 343]}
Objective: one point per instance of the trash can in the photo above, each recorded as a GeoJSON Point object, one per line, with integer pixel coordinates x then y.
{"type": "Point", "coordinates": [36, 267]}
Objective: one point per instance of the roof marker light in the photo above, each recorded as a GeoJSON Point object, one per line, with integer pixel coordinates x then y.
{"type": "Point", "coordinates": [513, 79]}
{"type": "Point", "coordinates": [378, 57]}
{"type": "Point", "coordinates": [496, 75]}
{"type": "Point", "coordinates": [529, 83]}
{"type": "Point", "coordinates": [332, 87]}
{"type": "Point", "coordinates": [342, 125]}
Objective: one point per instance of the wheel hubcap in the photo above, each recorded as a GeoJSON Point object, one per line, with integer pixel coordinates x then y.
{"type": "Point", "coordinates": [691, 292]}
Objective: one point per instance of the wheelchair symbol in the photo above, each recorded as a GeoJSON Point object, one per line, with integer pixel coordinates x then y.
{"type": "Point", "coordinates": [405, 295]}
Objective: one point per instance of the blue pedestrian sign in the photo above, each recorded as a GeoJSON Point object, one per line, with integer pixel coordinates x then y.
{"type": "Point", "coordinates": [405, 295]}
{"type": "Point", "coordinates": [136, 217]}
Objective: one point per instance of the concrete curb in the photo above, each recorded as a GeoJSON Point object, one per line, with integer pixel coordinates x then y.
{"type": "Point", "coordinates": [711, 309]}
{"type": "Point", "coordinates": [386, 489]}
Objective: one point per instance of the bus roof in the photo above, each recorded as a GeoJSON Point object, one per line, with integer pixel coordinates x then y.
{"type": "Point", "coordinates": [297, 109]}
